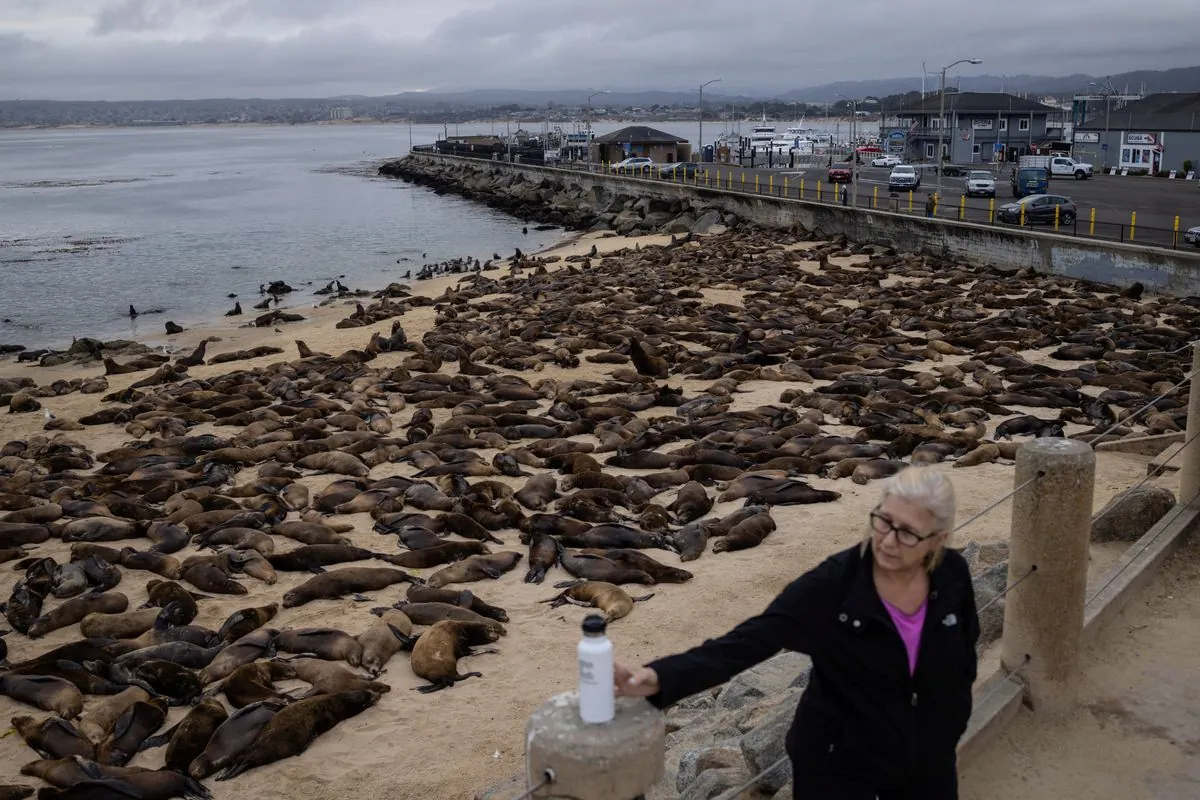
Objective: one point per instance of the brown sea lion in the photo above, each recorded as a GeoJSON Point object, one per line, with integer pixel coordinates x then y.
{"type": "Point", "coordinates": [463, 598]}
{"type": "Point", "coordinates": [164, 593]}
{"type": "Point", "coordinates": [476, 568]}
{"type": "Point", "coordinates": [103, 714]}
{"type": "Point", "coordinates": [538, 491]}
{"type": "Point", "coordinates": [592, 567]}
{"type": "Point", "coordinates": [609, 598]}
{"type": "Point", "coordinates": [292, 730]}
{"type": "Point", "coordinates": [327, 643]}
{"type": "Point", "coordinates": [308, 533]}
{"type": "Point", "coordinates": [232, 737]}
{"type": "Point", "coordinates": [66, 772]}
{"type": "Point", "coordinates": [76, 610]}
{"type": "Point", "coordinates": [691, 503]}
{"type": "Point", "coordinates": [636, 559]}
{"type": "Point", "coordinates": [44, 692]}
{"type": "Point", "coordinates": [543, 554]}
{"type": "Point", "coordinates": [329, 677]}
{"type": "Point", "coordinates": [384, 638]}
{"type": "Point", "coordinates": [746, 534]}
{"type": "Point", "coordinates": [209, 578]}
{"type": "Point", "coordinates": [876, 468]}
{"type": "Point", "coordinates": [250, 647]}
{"type": "Point", "coordinates": [436, 653]}
{"type": "Point", "coordinates": [433, 613]}
{"type": "Point", "coordinates": [158, 563]}
{"type": "Point", "coordinates": [312, 557]}
{"type": "Point", "coordinates": [246, 620]}
{"type": "Point", "coordinates": [160, 784]}
{"type": "Point", "coordinates": [52, 737]}
{"type": "Point", "coordinates": [187, 740]}
{"type": "Point", "coordinates": [341, 582]}
{"type": "Point", "coordinates": [134, 726]}
{"type": "Point", "coordinates": [983, 454]}
{"type": "Point", "coordinates": [250, 683]}
{"type": "Point", "coordinates": [444, 553]}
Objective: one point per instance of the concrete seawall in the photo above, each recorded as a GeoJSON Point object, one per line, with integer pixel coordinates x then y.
{"type": "Point", "coordinates": [584, 200]}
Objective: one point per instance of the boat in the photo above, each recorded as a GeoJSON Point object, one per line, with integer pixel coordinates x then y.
{"type": "Point", "coordinates": [762, 136]}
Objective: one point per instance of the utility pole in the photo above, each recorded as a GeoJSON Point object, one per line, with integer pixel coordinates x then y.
{"type": "Point", "coordinates": [942, 119]}
{"type": "Point", "coordinates": [1109, 91]}
{"type": "Point", "coordinates": [588, 133]}
{"type": "Point", "coordinates": [700, 144]}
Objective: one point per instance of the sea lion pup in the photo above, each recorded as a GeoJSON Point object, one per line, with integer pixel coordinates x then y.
{"type": "Point", "coordinates": [257, 644]}
{"type": "Point", "coordinates": [136, 725]}
{"type": "Point", "coordinates": [66, 772]}
{"type": "Point", "coordinates": [444, 553]}
{"type": "Point", "coordinates": [636, 559]}
{"type": "Point", "coordinates": [543, 554]}
{"type": "Point", "coordinates": [609, 598]}
{"type": "Point", "coordinates": [159, 784]}
{"type": "Point", "coordinates": [44, 692]}
{"type": "Point", "coordinates": [464, 599]}
{"type": "Point", "coordinates": [187, 740]}
{"type": "Point", "coordinates": [327, 643]}
{"type": "Point", "coordinates": [433, 613]}
{"type": "Point", "coordinates": [347, 581]}
{"type": "Point", "coordinates": [537, 491]}
{"type": "Point", "coordinates": [250, 683]}
{"type": "Point", "coordinates": [476, 568]}
{"type": "Point", "coordinates": [76, 610]}
{"type": "Point", "coordinates": [328, 677]}
{"type": "Point", "coordinates": [53, 737]}
{"type": "Point", "coordinates": [593, 567]}
{"type": "Point", "coordinates": [232, 737]}
{"type": "Point", "coordinates": [246, 620]}
{"type": "Point", "coordinates": [292, 730]}
{"type": "Point", "coordinates": [436, 653]}
{"type": "Point", "coordinates": [746, 534]}
{"type": "Point", "coordinates": [390, 634]}
{"type": "Point", "coordinates": [103, 714]}
{"type": "Point", "coordinates": [691, 503]}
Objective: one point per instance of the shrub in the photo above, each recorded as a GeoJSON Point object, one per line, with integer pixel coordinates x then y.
{"type": "Point", "coordinates": [1188, 166]}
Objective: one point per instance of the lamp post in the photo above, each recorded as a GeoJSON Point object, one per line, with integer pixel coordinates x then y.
{"type": "Point", "coordinates": [1108, 93]}
{"type": "Point", "coordinates": [700, 144]}
{"type": "Point", "coordinates": [854, 145]}
{"type": "Point", "coordinates": [589, 123]}
{"type": "Point", "coordinates": [942, 118]}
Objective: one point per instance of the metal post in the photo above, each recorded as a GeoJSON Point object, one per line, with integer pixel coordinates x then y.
{"type": "Point", "coordinates": [700, 144]}
{"type": "Point", "coordinates": [853, 155]}
{"type": "Point", "coordinates": [1189, 467]}
{"type": "Point", "coordinates": [1051, 532]}
{"type": "Point", "coordinates": [941, 129]}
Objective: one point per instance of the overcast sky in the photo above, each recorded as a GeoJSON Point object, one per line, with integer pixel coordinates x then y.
{"type": "Point", "coordinates": [164, 49]}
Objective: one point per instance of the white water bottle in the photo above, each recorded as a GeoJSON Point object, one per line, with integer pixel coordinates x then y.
{"type": "Point", "coordinates": [596, 694]}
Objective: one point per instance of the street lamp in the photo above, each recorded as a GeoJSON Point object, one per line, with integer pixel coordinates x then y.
{"type": "Point", "coordinates": [1108, 93]}
{"type": "Point", "coordinates": [589, 123]}
{"type": "Point", "coordinates": [853, 145]}
{"type": "Point", "coordinates": [942, 118]}
{"type": "Point", "coordinates": [700, 144]}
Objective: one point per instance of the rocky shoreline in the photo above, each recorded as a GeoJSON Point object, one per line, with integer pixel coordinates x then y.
{"type": "Point", "coordinates": [561, 201]}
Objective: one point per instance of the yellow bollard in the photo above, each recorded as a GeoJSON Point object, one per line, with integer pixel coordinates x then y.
{"type": "Point", "coordinates": [707, 178]}
{"type": "Point", "coordinates": [1175, 234]}
{"type": "Point", "coordinates": [991, 210]}
{"type": "Point", "coordinates": [875, 198]}
{"type": "Point", "coordinates": [756, 183]}
{"type": "Point", "coordinates": [818, 191]}
{"type": "Point", "coordinates": [1056, 213]}
{"type": "Point", "coordinates": [743, 180]}
{"type": "Point", "coordinates": [1132, 224]}
{"type": "Point", "coordinates": [962, 207]}
{"type": "Point", "coordinates": [802, 188]}
{"type": "Point", "coordinates": [910, 201]}
{"type": "Point", "coordinates": [770, 184]}
{"type": "Point", "coordinates": [785, 187]}
{"type": "Point", "coordinates": [1022, 215]}
{"type": "Point", "coordinates": [1092, 223]}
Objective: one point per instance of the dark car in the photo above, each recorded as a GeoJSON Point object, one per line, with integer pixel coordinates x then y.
{"type": "Point", "coordinates": [1039, 209]}
{"type": "Point", "coordinates": [681, 169]}
{"type": "Point", "coordinates": [839, 172]}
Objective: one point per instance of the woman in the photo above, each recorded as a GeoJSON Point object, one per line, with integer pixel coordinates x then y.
{"type": "Point", "coordinates": [891, 627]}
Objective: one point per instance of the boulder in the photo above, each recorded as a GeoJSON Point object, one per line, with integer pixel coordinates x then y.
{"type": "Point", "coordinates": [695, 762]}
{"type": "Point", "coordinates": [681, 224]}
{"type": "Point", "coordinates": [510, 789]}
{"type": "Point", "coordinates": [768, 678]}
{"type": "Point", "coordinates": [1131, 513]}
{"type": "Point", "coordinates": [988, 584]}
{"type": "Point", "coordinates": [715, 782]}
{"type": "Point", "coordinates": [626, 222]}
{"type": "Point", "coordinates": [764, 745]}
{"type": "Point", "coordinates": [706, 221]}
{"type": "Point", "coordinates": [981, 556]}
{"type": "Point", "coordinates": [655, 219]}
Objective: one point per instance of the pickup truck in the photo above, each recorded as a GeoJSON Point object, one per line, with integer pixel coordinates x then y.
{"type": "Point", "coordinates": [1059, 166]}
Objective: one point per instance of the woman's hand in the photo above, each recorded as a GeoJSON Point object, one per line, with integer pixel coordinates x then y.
{"type": "Point", "coordinates": [636, 682]}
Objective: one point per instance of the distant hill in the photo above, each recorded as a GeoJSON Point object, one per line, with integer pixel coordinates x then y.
{"type": "Point", "coordinates": [482, 98]}
{"type": "Point", "coordinates": [1182, 79]}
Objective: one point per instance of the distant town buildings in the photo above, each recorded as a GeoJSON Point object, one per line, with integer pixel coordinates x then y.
{"type": "Point", "coordinates": [341, 112]}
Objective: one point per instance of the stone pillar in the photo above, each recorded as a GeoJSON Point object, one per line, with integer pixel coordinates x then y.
{"type": "Point", "coordinates": [1051, 530]}
{"type": "Point", "coordinates": [1189, 458]}
{"type": "Point", "coordinates": [619, 760]}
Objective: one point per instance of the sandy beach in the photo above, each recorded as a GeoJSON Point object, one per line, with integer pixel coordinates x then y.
{"type": "Point", "coordinates": [447, 745]}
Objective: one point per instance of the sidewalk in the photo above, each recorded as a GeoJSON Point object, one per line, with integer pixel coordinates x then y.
{"type": "Point", "coordinates": [1136, 735]}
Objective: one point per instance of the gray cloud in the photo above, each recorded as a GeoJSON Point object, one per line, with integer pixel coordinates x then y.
{"type": "Point", "coordinates": [162, 49]}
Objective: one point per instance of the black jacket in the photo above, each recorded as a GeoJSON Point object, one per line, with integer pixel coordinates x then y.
{"type": "Point", "coordinates": [862, 713]}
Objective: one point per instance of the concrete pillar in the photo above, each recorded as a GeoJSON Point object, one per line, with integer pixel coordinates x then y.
{"type": "Point", "coordinates": [1189, 458]}
{"type": "Point", "coordinates": [619, 760]}
{"type": "Point", "coordinates": [1051, 529]}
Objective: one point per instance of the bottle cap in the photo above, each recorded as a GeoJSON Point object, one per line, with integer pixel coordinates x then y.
{"type": "Point", "coordinates": [594, 623]}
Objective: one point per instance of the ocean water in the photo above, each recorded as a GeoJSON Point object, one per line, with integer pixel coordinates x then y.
{"type": "Point", "coordinates": [94, 220]}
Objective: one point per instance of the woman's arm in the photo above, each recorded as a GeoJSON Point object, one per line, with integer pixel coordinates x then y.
{"type": "Point", "coordinates": [786, 624]}
{"type": "Point", "coordinates": [970, 631]}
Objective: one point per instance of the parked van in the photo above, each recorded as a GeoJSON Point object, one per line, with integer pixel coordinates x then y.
{"type": "Point", "coordinates": [1030, 180]}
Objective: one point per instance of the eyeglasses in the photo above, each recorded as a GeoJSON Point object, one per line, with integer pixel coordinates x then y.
{"type": "Point", "coordinates": [882, 526]}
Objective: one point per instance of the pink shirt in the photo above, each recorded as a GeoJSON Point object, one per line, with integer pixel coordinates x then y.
{"type": "Point", "coordinates": [909, 626]}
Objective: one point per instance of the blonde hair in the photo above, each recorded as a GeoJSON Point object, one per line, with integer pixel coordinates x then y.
{"type": "Point", "coordinates": [932, 491]}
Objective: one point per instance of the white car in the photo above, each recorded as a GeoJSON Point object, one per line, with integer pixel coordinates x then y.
{"type": "Point", "coordinates": [886, 161]}
{"type": "Point", "coordinates": [637, 165]}
{"type": "Point", "coordinates": [980, 183]}
{"type": "Point", "coordinates": [1192, 236]}
{"type": "Point", "coordinates": [904, 176]}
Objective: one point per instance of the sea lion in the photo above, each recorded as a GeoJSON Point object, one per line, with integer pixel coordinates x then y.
{"type": "Point", "coordinates": [246, 620]}
{"type": "Point", "coordinates": [164, 593]}
{"type": "Point", "coordinates": [463, 598]}
{"type": "Point", "coordinates": [691, 503]}
{"type": "Point", "coordinates": [617, 536]}
{"type": "Point", "coordinates": [436, 653]}
{"type": "Point", "coordinates": [185, 654]}
{"type": "Point", "coordinates": [444, 553]}
{"type": "Point", "coordinates": [341, 582]}
{"type": "Point", "coordinates": [178, 684]}
{"type": "Point", "coordinates": [384, 638]}
{"type": "Point", "coordinates": [636, 559]}
{"type": "Point", "coordinates": [327, 643]}
{"type": "Point", "coordinates": [252, 683]}
{"type": "Point", "coordinates": [209, 578]}
{"type": "Point", "coordinates": [232, 737]}
{"type": "Point", "coordinates": [433, 613]}
{"type": "Point", "coordinates": [44, 692]}
{"type": "Point", "coordinates": [876, 468]}
{"type": "Point", "coordinates": [138, 722]}
{"type": "Point", "coordinates": [168, 538]}
{"type": "Point", "coordinates": [53, 737]}
{"type": "Point", "coordinates": [292, 730]}
{"type": "Point", "coordinates": [257, 644]}
{"type": "Point", "coordinates": [15, 791]}
{"type": "Point", "coordinates": [543, 554]}
{"type": "Point", "coordinates": [691, 540]}
{"type": "Point", "coordinates": [983, 454]}
{"type": "Point", "coordinates": [159, 784]}
{"type": "Point", "coordinates": [468, 528]}
{"type": "Point", "coordinates": [476, 568]}
{"type": "Point", "coordinates": [76, 610]}
{"type": "Point", "coordinates": [609, 598]}
{"type": "Point", "coordinates": [337, 462]}
{"type": "Point", "coordinates": [597, 568]}
{"type": "Point", "coordinates": [329, 677]}
{"type": "Point", "coordinates": [746, 534]}
{"type": "Point", "coordinates": [103, 714]}
{"type": "Point", "coordinates": [538, 491]}
{"type": "Point", "coordinates": [308, 533]}
{"type": "Point", "coordinates": [67, 772]}
{"type": "Point", "coordinates": [312, 557]}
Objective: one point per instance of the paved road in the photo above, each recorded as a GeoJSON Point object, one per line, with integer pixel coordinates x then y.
{"type": "Point", "coordinates": [1157, 201]}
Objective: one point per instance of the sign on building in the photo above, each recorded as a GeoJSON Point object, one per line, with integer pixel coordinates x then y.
{"type": "Point", "coordinates": [982, 123]}
{"type": "Point", "coordinates": [1140, 138]}
{"type": "Point", "coordinates": [1084, 137]}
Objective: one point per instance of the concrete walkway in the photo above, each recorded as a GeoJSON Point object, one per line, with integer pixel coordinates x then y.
{"type": "Point", "coordinates": [1136, 734]}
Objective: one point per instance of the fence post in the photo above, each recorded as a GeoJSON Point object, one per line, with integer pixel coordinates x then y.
{"type": "Point", "coordinates": [875, 198]}
{"type": "Point", "coordinates": [1051, 532]}
{"type": "Point", "coordinates": [1092, 223]}
{"type": "Point", "coordinates": [991, 210]}
{"type": "Point", "coordinates": [1132, 224]}
{"type": "Point", "coordinates": [1175, 233]}
{"type": "Point", "coordinates": [910, 193]}
{"type": "Point", "coordinates": [962, 207]}
{"type": "Point", "coordinates": [1189, 465]}
{"type": "Point", "coordinates": [619, 760]}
